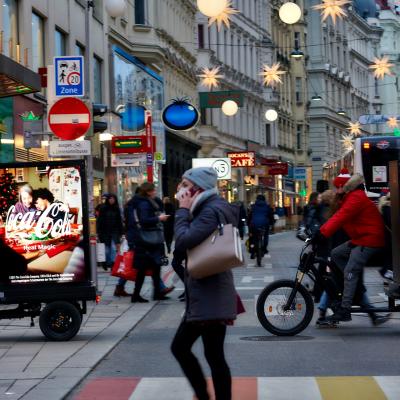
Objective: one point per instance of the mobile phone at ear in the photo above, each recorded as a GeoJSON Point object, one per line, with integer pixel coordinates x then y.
{"type": "Point", "coordinates": [193, 190]}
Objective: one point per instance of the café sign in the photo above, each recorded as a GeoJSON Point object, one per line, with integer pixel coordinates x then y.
{"type": "Point", "coordinates": [240, 160]}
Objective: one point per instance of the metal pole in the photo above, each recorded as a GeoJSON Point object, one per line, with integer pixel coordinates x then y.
{"type": "Point", "coordinates": [395, 215]}
{"type": "Point", "coordinates": [89, 159]}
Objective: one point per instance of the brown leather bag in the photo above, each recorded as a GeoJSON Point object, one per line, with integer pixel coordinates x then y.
{"type": "Point", "coordinates": [220, 252]}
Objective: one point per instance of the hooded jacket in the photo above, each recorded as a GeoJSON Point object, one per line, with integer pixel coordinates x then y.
{"type": "Point", "coordinates": [358, 216]}
{"type": "Point", "coordinates": [213, 297]}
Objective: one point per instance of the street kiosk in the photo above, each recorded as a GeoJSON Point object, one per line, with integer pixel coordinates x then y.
{"type": "Point", "coordinates": [44, 245]}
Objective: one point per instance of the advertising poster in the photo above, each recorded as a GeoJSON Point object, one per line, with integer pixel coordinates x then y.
{"type": "Point", "coordinates": [43, 219]}
{"type": "Point", "coordinates": [379, 174]}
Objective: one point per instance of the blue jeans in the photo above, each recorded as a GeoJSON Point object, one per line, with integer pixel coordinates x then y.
{"type": "Point", "coordinates": [325, 301]}
{"type": "Point", "coordinates": [111, 253]}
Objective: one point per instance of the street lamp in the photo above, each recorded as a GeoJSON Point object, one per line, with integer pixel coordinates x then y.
{"type": "Point", "coordinates": [229, 108]}
{"type": "Point", "coordinates": [271, 115]}
{"type": "Point", "coordinates": [316, 97]}
{"type": "Point", "coordinates": [296, 53]}
{"type": "Point", "coordinates": [116, 8]}
{"type": "Point", "coordinates": [290, 13]}
{"type": "Point", "coordinates": [341, 112]}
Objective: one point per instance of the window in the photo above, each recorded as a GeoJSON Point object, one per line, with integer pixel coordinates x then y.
{"type": "Point", "coordinates": [299, 137]}
{"type": "Point", "coordinates": [79, 49]}
{"type": "Point", "coordinates": [97, 80]}
{"type": "Point", "coordinates": [268, 134]}
{"type": "Point", "coordinates": [37, 42]}
{"type": "Point", "coordinates": [297, 40]}
{"type": "Point", "coordinates": [299, 90]}
{"type": "Point", "coordinates": [200, 33]}
{"type": "Point", "coordinates": [10, 26]}
{"type": "Point", "coordinates": [140, 17]}
{"type": "Point", "coordinates": [60, 43]}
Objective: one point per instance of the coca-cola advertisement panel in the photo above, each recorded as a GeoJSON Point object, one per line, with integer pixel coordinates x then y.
{"type": "Point", "coordinates": [43, 219]}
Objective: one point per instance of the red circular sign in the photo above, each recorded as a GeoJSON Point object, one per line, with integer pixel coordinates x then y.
{"type": "Point", "coordinates": [69, 118]}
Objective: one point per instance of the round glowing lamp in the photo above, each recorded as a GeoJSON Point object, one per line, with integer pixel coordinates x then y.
{"type": "Point", "coordinates": [271, 115]}
{"type": "Point", "coordinates": [116, 8]}
{"type": "Point", "coordinates": [290, 13]}
{"type": "Point", "coordinates": [212, 8]}
{"type": "Point", "coordinates": [229, 108]}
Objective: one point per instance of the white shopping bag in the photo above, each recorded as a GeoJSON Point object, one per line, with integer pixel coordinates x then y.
{"type": "Point", "coordinates": [101, 252]}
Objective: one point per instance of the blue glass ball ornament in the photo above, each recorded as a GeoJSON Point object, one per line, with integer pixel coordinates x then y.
{"type": "Point", "coordinates": [180, 116]}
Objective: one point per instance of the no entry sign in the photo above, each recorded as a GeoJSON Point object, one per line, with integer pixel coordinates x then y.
{"type": "Point", "coordinates": [69, 118]}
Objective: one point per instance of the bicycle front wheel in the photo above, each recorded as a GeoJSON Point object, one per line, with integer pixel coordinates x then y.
{"type": "Point", "coordinates": [271, 308]}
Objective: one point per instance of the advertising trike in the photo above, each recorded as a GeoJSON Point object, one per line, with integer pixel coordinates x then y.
{"type": "Point", "coordinates": [44, 245]}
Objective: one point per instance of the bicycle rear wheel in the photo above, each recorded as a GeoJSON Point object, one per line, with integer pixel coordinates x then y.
{"type": "Point", "coordinates": [271, 313]}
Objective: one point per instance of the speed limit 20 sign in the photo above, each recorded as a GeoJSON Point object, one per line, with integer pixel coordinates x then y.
{"type": "Point", "coordinates": [222, 166]}
{"type": "Point", "coordinates": [68, 74]}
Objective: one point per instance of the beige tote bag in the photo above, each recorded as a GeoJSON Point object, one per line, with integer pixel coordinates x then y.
{"type": "Point", "coordinates": [220, 252]}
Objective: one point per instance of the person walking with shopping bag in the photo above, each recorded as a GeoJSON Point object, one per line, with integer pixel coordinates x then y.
{"type": "Point", "coordinates": [211, 302]}
{"type": "Point", "coordinates": [145, 236]}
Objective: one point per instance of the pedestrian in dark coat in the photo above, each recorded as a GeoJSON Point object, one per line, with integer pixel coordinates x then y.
{"type": "Point", "coordinates": [169, 209]}
{"type": "Point", "coordinates": [211, 303]}
{"type": "Point", "coordinates": [144, 212]}
{"type": "Point", "coordinates": [110, 228]}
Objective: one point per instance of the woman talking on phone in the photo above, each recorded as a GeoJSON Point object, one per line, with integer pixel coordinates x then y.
{"type": "Point", "coordinates": [211, 302]}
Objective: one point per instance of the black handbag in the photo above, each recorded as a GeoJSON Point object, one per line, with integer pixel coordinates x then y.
{"type": "Point", "coordinates": [149, 236]}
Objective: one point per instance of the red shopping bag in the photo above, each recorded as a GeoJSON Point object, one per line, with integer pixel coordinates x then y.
{"type": "Point", "coordinates": [123, 266]}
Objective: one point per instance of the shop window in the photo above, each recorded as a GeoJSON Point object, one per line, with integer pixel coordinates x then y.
{"type": "Point", "coordinates": [10, 27]}
{"type": "Point", "coordinates": [38, 44]}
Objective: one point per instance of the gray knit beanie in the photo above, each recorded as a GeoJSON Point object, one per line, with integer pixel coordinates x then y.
{"type": "Point", "coordinates": [204, 177]}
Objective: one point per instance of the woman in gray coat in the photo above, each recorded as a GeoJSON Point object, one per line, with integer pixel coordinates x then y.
{"type": "Point", "coordinates": [211, 303]}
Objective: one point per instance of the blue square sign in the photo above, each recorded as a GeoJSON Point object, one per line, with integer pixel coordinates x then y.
{"type": "Point", "coordinates": [68, 74]}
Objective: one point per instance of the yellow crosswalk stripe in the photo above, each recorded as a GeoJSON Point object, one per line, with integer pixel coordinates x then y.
{"type": "Point", "coordinates": [350, 388]}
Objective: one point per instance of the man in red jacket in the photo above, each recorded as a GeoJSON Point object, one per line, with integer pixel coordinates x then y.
{"type": "Point", "coordinates": [360, 219]}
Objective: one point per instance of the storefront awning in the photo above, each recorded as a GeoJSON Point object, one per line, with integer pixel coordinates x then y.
{"type": "Point", "coordinates": [15, 79]}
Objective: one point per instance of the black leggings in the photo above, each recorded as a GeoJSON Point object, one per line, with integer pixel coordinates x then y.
{"type": "Point", "coordinates": [213, 336]}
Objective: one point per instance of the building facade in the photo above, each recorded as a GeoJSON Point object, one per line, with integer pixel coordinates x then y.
{"type": "Point", "coordinates": [340, 81]}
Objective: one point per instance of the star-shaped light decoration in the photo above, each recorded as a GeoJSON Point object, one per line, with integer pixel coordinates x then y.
{"type": "Point", "coordinates": [224, 17]}
{"type": "Point", "coordinates": [392, 122]}
{"type": "Point", "coordinates": [354, 128]}
{"type": "Point", "coordinates": [209, 77]}
{"type": "Point", "coordinates": [332, 8]}
{"type": "Point", "coordinates": [381, 67]}
{"type": "Point", "coordinates": [271, 75]}
{"type": "Point", "coordinates": [347, 142]}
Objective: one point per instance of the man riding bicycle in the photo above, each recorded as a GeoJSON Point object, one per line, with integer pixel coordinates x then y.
{"type": "Point", "coordinates": [260, 219]}
{"type": "Point", "coordinates": [361, 220]}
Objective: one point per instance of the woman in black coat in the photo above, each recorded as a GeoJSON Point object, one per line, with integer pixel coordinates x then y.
{"type": "Point", "coordinates": [144, 214]}
{"type": "Point", "coordinates": [211, 303]}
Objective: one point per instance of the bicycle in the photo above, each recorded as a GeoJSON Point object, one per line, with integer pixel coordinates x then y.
{"type": "Point", "coordinates": [285, 307]}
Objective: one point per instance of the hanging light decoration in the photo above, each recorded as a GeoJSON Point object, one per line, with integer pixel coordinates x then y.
{"type": "Point", "coordinates": [332, 8]}
{"type": "Point", "coordinates": [381, 67]}
{"type": "Point", "coordinates": [209, 77]}
{"type": "Point", "coordinates": [354, 128]}
{"type": "Point", "coordinates": [212, 8]}
{"type": "Point", "coordinates": [392, 122]}
{"type": "Point", "coordinates": [290, 13]}
{"type": "Point", "coordinates": [271, 75]}
{"type": "Point", "coordinates": [224, 16]}
{"type": "Point", "coordinates": [116, 8]}
{"type": "Point", "coordinates": [229, 108]}
{"type": "Point", "coordinates": [271, 115]}
{"type": "Point", "coordinates": [347, 142]}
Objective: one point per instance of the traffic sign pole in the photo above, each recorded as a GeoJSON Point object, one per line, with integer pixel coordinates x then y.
{"type": "Point", "coordinates": [150, 147]}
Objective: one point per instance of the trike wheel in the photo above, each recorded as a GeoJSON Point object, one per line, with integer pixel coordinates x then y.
{"type": "Point", "coordinates": [272, 315]}
{"type": "Point", "coordinates": [60, 321]}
